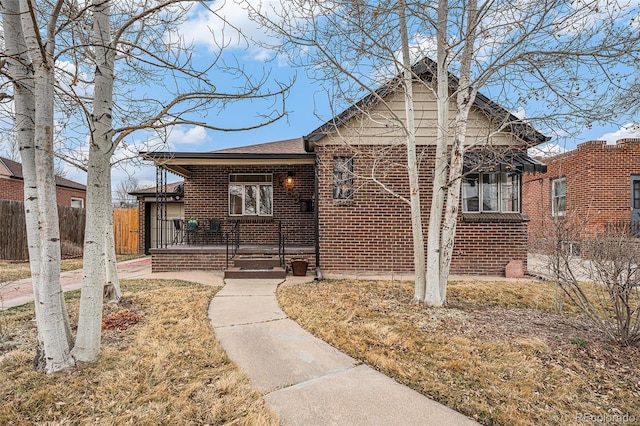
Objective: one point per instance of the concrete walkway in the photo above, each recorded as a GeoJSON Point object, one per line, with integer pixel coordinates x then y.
{"type": "Point", "coordinates": [302, 378]}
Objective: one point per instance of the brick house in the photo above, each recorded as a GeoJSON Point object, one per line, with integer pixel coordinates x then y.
{"type": "Point", "coordinates": [69, 193]}
{"type": "Point", "coordinates": [596, 185]}
{"type": "Point", "coordinates": [336, 194]}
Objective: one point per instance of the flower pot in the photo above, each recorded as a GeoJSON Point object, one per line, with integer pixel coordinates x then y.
{"type": "Point", "coordinates": [299, 267]}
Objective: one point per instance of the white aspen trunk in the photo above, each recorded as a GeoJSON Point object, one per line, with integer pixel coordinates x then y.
{"type": "Point", "coordinates": [464, 99]}
{"type": "Point", "coordinates": [18, 69]}
{"type": "Point", "coordinates": [453, 201]}
{"type": "Point", "coordinates": [433, 297]}
{"type": "Point", "coordinates": [53, 323]}
{"type": "Point", "coordinates": [112, 292]}
{"type": "Point", "coordinates": [88, 339]}
{"type": "Point", "coordinates": [87, 347]}
{"type": "Point", "coordinates": [412, 161]}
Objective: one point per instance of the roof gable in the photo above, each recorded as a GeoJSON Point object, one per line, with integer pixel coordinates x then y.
{"type": "Point", "coordinates": [426, 69]}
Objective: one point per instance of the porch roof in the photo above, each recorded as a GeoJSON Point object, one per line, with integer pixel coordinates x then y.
{"type": "Point", "coordinates": [175, 188]}
{"type": "Point", "coordinates": [487, 161]}
{"type": "Point", "coordinates": [287, 152]}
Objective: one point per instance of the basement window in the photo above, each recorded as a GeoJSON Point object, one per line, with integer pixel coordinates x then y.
{"type": "Point", "coordinates": [250, 195]}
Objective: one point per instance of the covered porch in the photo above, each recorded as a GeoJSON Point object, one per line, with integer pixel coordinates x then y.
{"type": "Point", "coordinates": [249, 202]}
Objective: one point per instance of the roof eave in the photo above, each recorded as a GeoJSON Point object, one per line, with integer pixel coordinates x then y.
{"type": "Point", "coordinates": [178, 162]}
{"type": "Point", "coordinates": [153, 156]}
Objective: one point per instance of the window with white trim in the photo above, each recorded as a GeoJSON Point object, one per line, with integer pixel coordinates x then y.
{"type": "Point", "coordinates": [250, 195]}
{"type": "Point", "coordinates": [491, 192]}
{"type": "Point", "coordinates": [77, 202]}
{"type": "Point", "coordinates": [558, 196]}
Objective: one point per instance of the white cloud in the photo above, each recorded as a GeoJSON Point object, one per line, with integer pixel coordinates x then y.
{"type": "Point", "coordinates": [520, 113]}
{"type": "Point", "coordinates": [546, 150]}
{"type": "Point", "coordinates": [73, 78]}
{"type": "Point", "coordinates": [631, 130]}
{"type": "Point", "coordinates": [229, 26]}
{"type": "Point", "coordinates": [183, 135]}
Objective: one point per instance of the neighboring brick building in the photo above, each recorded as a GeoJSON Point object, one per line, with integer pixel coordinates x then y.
{"type": "Point", "coordinates": [354, 216]}
{"type": "Point", "coordinates": [595, 185]}
{"type": "Point", "coordinates": [69, 193]}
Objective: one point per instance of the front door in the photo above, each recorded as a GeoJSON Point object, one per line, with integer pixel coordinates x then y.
{"type": "Point", "coordinates": [635, 203]}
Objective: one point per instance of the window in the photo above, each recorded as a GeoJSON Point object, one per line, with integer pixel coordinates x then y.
{"type": "Point", "coordinates": [77, 203]}
{"type": "Point", "coordinates": [558, 196]}
{"type": "Point", "coordinates": [250, 195]}
{"type": "Point", "coordinates": [636, 194]}
{"type": "Point", "coordinates": [342, 178]}
{"type": "Point", "coordinates": [491, 192]}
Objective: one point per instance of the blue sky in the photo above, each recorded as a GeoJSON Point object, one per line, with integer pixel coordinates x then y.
{"type": "Point", "coordinates": [307, 103]}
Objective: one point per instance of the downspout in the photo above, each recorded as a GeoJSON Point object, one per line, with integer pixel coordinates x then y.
{"type": "Point", "coordinates": [316, 208]}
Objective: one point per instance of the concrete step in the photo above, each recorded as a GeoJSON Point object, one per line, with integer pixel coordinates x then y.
{"type": "Point", "coordinates": [255, 272]}
{"type": "Point", "coordinates": [256, 261]}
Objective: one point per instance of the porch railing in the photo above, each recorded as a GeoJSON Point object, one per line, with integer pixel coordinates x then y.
{"type": "Point", "coordinates": [281, 238]}
{"type": "Point", "coordinates": [232, 237]}
{"type": "Point", "coordinates": [632, 228]}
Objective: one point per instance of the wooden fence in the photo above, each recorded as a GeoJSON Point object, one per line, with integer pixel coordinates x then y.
{"type": "Point", "coordinates": [13, 231]}
{"type": "Point", "coordinates": [125, 230]}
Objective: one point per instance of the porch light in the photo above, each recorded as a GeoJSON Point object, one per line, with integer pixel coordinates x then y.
{"type": "Point", "coordinates": [289, 179]}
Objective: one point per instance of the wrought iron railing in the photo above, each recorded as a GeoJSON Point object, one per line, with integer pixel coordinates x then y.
{"type": "Point", "coordinates": [281, 240]}
{"type": "Point", "coordinates": [631, 228]}
{"type": "Point", "coordinates": [232, 237]}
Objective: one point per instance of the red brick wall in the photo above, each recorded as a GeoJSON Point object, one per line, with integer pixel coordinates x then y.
{"type": "Point", "coordinates": [13, 189]}
{"type": "Point", "coordinates": [488, 246]}
{"type": "Point", "coordinates": [64, 196]}
{"type": "Point", "coordinates": [372, 232]}
{"type": "Point", "coordinates": [206, 196]}
{"type": "Point", "coordinates": [598, 179]}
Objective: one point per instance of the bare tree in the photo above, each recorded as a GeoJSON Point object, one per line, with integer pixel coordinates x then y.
{"type": "Point", "coordinates": [123, 192]}
{"type": "Point", "coordinates": [565, 63]}
{"type": "Point", "coordinates": [142, 38]}
{"type": "Point", "coordinates": [597, 273]}
{"type": "Point", "coordinates": [9, 146]}
{"type": "Point", "coordinates": [196, 93]}
{"type": "Point", "coordinates": [492, 42]}
{"type": "Point", "coordinates": [31, 66]}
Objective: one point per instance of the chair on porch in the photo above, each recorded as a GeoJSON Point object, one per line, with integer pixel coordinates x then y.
{"type": "Point", "coordinates": [192, 230]}
{"type": "Point", "coordinates": [178, 231]}
{"type": "Point", "coordinates": [213, 231]}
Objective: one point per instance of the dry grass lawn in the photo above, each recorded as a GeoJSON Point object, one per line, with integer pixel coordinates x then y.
{"type": "Point", "coordinates": [498, 353]}
{"type": "Point", "coordinates": [166, 369]}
